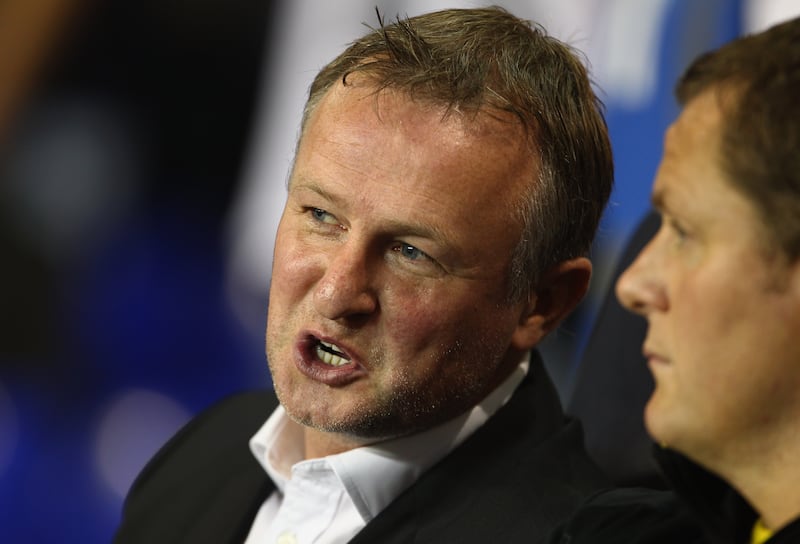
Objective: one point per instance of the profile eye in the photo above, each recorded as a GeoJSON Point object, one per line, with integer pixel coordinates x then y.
{"type": "Point", "coordinates": [678, 230]}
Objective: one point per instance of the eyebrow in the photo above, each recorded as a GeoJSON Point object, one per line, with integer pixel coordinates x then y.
{"type": "Point", "coordinates": [314, 187]}
{"type": "Point", "coordinates": [399, 228]}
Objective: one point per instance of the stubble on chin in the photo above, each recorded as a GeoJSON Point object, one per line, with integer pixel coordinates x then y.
{"type": "Point", "coordinates": [396, 404]}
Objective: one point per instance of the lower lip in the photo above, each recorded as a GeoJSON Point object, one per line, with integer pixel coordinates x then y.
{"type": "Point", "coordinates": [310, 366]}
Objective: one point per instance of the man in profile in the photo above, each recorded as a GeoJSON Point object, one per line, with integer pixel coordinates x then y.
{"type": "Point", "coordinates": [449, 177]}
{"type": "Point", "coordinates": [719, 286]}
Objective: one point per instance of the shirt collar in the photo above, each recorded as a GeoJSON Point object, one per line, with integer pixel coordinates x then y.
{"type": "Point", "coordinates": [278, 446]}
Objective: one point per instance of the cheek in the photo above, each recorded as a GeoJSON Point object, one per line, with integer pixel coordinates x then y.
{"type": "Point", "coordinates": [694, 336]}
{"type": "Point", "coordinates": [714, 334]}
{"type": "Point", "coordinates": [444, 322]}
{"type": "Point", "coordinates": [412, 315]}
{"type": "Point", "coordinates": [295, 267]}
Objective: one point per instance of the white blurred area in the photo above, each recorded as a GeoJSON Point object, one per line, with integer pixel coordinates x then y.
{"type": "Point", "coordinates": [760, 14]}
{"type": "Point", "coordinates": [133, 427]}
{"type": "Point", "coordinates": [620, 39]}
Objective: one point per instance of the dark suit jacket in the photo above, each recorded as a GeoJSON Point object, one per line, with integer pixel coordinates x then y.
{"type": "Point", "coordinates": [513, 480]}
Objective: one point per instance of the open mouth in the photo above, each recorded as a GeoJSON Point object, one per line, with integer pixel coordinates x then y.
{"type": "Point", "coordinates": [330, 354]}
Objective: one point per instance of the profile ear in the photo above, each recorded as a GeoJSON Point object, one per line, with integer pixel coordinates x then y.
{"type": "Point", "coordinates": [560, 290]}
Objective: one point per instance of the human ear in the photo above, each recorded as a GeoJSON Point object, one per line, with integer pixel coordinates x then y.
{"type": "Point", "coordinates": [560, 290]}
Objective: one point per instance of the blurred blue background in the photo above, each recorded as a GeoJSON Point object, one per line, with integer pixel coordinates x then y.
{"type": "Point", "coordinates": [143, 152]}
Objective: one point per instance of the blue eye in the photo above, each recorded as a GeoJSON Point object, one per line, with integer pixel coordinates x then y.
{"type": "Point", "coordinates": [410, 259]}
{"type": "Point", "coordinates": [322, 216]}
{"type": "Point", "coordinates": [410, 252]}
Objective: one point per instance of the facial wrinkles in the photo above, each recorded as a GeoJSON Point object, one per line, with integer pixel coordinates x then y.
{"type": "Point", "coordinates": [434, 344]}
{"type": "Point", "coordinates": [421, 203]}
{"type": "Point", "coordinates": [383, 177]}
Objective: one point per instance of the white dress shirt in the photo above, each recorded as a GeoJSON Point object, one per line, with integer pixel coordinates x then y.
{"type": "Point", "coordinates": [329, 500]}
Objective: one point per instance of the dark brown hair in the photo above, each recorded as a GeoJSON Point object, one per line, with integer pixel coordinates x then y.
{"type": "Point", "coordinates": [760, 133]}
{"type": "Point", "coordinates": [472, 59]}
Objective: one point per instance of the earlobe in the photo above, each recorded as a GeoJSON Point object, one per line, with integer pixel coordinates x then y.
{"type": "Point", "coordinates": [559, 292]}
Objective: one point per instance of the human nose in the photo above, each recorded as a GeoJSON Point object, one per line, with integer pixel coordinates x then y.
{"type": "Point", "coordinates": [640, 288]}
{"type": "Point", "coordinates": [345, 289]}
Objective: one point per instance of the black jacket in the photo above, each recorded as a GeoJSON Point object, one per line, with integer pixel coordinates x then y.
{"type": "Point", "coordinates": [701, 509]}
{"type": "Point", "coordinates": [518, 476]}
{"type": "Point", "coordinates": [724, 514]}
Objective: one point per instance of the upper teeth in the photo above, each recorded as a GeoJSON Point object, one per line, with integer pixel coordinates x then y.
{"type": "Point", "coordinates": [330, 358]}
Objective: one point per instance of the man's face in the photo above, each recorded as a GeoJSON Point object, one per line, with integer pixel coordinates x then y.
{"type": "Point", "coordinates": [388, 310]}
{"type": "Point", "coordinates": [723, 311]}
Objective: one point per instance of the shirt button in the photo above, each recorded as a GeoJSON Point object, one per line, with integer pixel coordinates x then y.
{"type": "Point", "coordinates": [286, 537]}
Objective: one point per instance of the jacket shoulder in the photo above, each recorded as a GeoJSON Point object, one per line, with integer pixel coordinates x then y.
{"type": "Point", "coordinates": [198, 468]}
{"type": "Point", "coordinates": [625, 515]}
{"type": "Point", "coordinates": [217, 430]}
{"type": "Point", "coordinates": [788, 534]}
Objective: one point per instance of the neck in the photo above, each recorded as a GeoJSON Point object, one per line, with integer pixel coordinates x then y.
{"type": "Point", "coordinates": [768, 477]}
{"type": "Point", "coordinates": [774, 493]}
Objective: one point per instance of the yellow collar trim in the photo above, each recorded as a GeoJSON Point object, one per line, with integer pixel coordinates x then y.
{"type": "Point", "coordinates": [760, 533]}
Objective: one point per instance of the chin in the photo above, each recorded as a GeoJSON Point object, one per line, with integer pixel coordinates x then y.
{"type": "Point", "coordinates": [670, 428]}
{"type": "Point", "coordinates": [655, 423]}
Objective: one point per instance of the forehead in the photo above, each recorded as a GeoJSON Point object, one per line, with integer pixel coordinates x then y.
{"type": "Point", "coordinates": [696, 129]}
{"type": "Point", "coordinates": [386, 137]}
{"type": "Point", "coordinates": [691, 158]}
{"type": "Point", "coordinates": [363, 110]}
{"type": "Point", "coordinates": [692, 183]}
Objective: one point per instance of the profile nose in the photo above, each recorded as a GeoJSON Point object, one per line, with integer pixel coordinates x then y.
{"type": "Point", "coordinates": [345, 290]}
{"type": "Point", "coordinates": [640, 288]}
